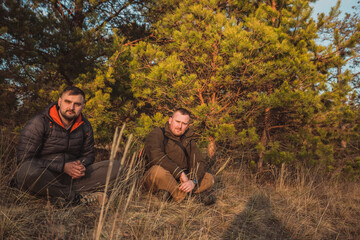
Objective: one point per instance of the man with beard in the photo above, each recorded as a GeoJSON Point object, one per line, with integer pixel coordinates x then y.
{"type": "Point", "coordinates": [56, 154]}
{"type": "Point", "coordinates": [174, 163]}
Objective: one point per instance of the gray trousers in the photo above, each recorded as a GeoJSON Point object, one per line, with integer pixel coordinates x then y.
{"type": "Point", "coordinates": [40, 181]}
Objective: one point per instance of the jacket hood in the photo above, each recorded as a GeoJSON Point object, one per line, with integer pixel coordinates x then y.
{"type": "Point", "coordinates": [52, 112]}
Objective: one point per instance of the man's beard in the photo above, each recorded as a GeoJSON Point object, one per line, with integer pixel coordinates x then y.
{"type": "Point", "coordinates": [177, 132]}
{"type": "Point", "coordinates": [69, 118]}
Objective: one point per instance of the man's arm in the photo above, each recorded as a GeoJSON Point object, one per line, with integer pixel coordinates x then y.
{"type": "Point", "coordinates": [76, 169]}
{"type": "Point", "coordinates": [31, 140]}
{"type": "Point", "coordinates": [155, 152]}
{"type": "Point", "coordinates": [197, 170]}
{"type": "Point", "coordinates": [87, 152]}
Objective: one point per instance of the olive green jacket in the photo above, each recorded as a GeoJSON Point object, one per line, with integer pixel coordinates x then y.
{"type": "Point", "coordinates": [172, 157]}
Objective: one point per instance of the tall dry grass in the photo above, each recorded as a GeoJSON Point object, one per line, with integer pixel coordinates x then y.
{"type": "Point", "coordinates": [284, 204]}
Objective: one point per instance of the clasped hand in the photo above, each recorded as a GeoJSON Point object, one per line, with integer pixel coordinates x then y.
{"type": "Point", "coordinates": [75, 169]}
{"type": "Point", "coordinates": [186, 184]}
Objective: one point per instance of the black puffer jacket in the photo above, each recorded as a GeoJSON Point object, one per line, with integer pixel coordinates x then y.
{"type": "Point", "coordinates": [44, 139]}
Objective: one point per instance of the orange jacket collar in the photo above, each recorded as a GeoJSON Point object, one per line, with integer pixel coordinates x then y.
{"type": "Point", "coordinates": [55, 116]}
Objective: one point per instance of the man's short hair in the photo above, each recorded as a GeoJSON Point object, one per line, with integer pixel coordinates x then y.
{"type": "Point", "coordinates": [183, 111]}
{"type": "Point", "coordinates": [74, 91]}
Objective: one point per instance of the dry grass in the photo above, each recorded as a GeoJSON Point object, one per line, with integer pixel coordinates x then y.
{"type": "Point", "coordinates": [285, 206]}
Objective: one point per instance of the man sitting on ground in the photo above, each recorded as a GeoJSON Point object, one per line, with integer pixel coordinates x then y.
{"type": "Point", "coordinates": [174, 163]}
{"type": "Point", "coordinates": [56, 153]}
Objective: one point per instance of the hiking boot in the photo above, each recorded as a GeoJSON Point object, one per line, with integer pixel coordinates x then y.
{"type": "Point", "coordinates": [206, 198]}
{"type": "Point", "coordinates": [95, 198]}
{"type": "Point", "coordinates": [163, 195]}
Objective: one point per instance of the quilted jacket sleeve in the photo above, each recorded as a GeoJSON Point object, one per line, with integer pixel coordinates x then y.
{"type": "Point", "coordinates": [31, 145]}
{"type": "Point", "coordinates": [87, 154]}
{"type": "Point", "coordinates": [31, 139]}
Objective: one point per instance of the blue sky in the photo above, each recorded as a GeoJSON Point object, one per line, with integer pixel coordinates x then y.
{"type": "Point", "coordinates": [325, 5]}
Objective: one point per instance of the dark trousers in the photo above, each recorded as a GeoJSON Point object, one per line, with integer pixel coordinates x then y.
{"type": "Point", "coordinates": [40, 181]}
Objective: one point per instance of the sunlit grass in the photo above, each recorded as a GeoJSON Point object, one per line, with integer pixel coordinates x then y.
{"type": "Point", "coordinates": [286, 205]}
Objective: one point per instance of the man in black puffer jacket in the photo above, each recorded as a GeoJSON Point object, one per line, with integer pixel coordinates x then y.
{"type": "Point", "coordinates": [56, 153]}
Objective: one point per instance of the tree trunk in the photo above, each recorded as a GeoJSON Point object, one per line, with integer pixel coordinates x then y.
{"type": "Point", "coordinates": [211, 149]}
{"type": "Point", "coordinates": [343, 133]}
{"type": "Point", "coordinates": [264, 139]}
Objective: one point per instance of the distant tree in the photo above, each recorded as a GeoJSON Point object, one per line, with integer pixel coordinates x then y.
{"type": "Point", "coordinates": [341, 35]}
{"type": "Point", "coordinates": [338, 56]}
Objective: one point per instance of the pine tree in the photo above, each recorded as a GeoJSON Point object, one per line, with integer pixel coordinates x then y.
{"type": "Point", "coordinates": [249, 80]}
{"type": "Point", "coordinates": [340, 59]}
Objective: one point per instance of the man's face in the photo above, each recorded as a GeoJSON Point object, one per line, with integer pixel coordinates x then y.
{"type": "Point", "coordinates": [70, 106]}
{"type": "Point", "coordinates": [179, 123]}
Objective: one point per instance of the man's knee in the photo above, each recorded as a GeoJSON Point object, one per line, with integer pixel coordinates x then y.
{"type": "Point", "coordinates": [28, 172]}
{"type": "Point", "coordinates": [157, 177]}
{"type": "Point", "coordinates": [157, 173]}
{"type": "Point", "coordinates": [206, 183]}
{"type": "Point", "coordinates": [209, 178]}
{"type": "Point", "coordinates": [100, 169]}
{"type": "Point", "coordinates": [114, 171]}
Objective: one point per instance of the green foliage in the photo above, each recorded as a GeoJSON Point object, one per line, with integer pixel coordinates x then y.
{"type": "Point", "coordinates": [109, 102]}
{"type": "Point", "coordinates": [248, 75]}
{"type": "Point", "coordinates": [254, 74]}
{"type": "Point", "coordinates": [145, 124]}
{"type": "Point", "coordinates": [275, 156]}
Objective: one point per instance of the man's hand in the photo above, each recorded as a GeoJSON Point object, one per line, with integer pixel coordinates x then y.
{"type": "Point", "coordinates": [183, 178]}
{"type": "Point", "coordinates": [74, 169]}
{"type": "Point", "coordinates": [186, 184]}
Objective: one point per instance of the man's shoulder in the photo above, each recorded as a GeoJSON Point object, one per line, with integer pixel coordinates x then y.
{"type": "Point", "coordinates": [155, 135]}
{"type": "Point", "coordinates": [35, 126]}
{"type": "Point", "coordinates": [38, 119]}
{"type": "Point", "coordinates": [156, 131]}
{"type": "Point", "coordinates": [189, 134]}
{"type": "Point", "coordinates": [86, 125]}
{"type": "Point", "coordinates": [42, 116]}
{"type": "Point", "coordinates": [86, 121]}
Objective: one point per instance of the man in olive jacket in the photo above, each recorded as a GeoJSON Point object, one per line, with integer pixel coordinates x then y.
{"type": "Point", "coordinates": [56, 152]}
{"type": "Point", "coordinates": [174, 163]}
